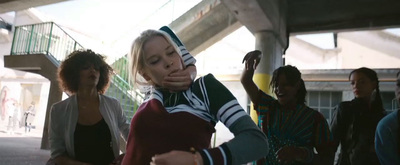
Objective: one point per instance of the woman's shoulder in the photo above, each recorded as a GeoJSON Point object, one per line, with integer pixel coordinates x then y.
{"type": "Point", "coordinates": [208, 80]}
{"type": "Point", "coordinates": [62, 108]}
{"type": "Point", "coordinates": [207, 77]}
{"type": "Point", "coordinates": [346, 106]}
{"type": "Point", "coordinates": [63, 103]}
{"type": "Point", "coordinates": [390, 119]}
{"type": "Point", "coordinates": [108, 98]}
{"type": "Point", "coordinates": [346, 103]}
{"type": "Point", "coordinates": [314, 112]}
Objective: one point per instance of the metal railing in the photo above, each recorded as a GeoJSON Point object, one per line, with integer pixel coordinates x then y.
{"type": "Point", "coordinates": [50, 39]}
{"type": "Point", "coordinates": [43, 38]}
{"type": "Point", "coordinates": [128, 92]}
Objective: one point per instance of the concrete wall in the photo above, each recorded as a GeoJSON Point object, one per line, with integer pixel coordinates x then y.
{"type": "Point", "coordinates": [355, 55]}
{"type": "Point", "coordinates": [304, 55]}
{"type": "Point", "coordinates": [25, 87]}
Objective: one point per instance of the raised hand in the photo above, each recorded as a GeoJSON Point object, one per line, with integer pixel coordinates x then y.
{"type": "Point", "coordinates": [252, 59]}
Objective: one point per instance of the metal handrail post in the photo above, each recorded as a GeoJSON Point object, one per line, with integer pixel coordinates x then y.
{"type": "Point", "coordinates": [51, 33]}
{"type": "Point", "coordinates": [30, 39]}
{"type": "Point", "coordinates": [13, 43]}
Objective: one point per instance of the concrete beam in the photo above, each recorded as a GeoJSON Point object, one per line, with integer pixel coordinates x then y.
{"type": "Point", "coordinates": [380, 41]}
{"type": "Point", "coordinates": [203, 25]}
{"type": "Point", "coordinates": [261, 16]}
{"type": "Point", "coordinates": [17, 5]}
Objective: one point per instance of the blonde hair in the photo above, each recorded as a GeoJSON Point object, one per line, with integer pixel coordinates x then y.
{"type": "Point", "coordinates": [136, 55]}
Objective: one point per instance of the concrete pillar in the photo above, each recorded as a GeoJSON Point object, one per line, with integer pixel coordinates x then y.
{"type": "Point", "coordinates": [268, 43]}
{"type": "Point", "coordinates": [55, 95]}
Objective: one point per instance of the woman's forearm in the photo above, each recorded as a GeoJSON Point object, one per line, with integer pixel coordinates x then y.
{"type": "Point", "coordinates": [65, 160]}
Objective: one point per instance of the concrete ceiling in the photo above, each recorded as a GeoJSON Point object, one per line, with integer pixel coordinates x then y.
{"type": "Point", "coordinates": [211, 20]}
{"type": "Point", "coordinates": [283, 17]}
{"type": "Point", "coordinates": [341, 15]}
{"type": "Point", "coordinates": [16, 5]}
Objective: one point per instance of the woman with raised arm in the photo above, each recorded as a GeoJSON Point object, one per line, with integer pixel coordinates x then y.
{"type": "Point", "coordinates": [293, 129]}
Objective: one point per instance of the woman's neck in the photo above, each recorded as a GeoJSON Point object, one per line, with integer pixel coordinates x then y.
{"type": "Point", "coordinates": [366, 102]}
{"type": "Point", "coordinates": [289, 106]}
{"type": "Point", "coordinates": [87, 94]}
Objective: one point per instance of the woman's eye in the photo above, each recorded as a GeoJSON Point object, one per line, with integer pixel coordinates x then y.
{"type": "Point", "coordinates": [171, 53]}
{"type": "Point", "coordinates": [153, 62]}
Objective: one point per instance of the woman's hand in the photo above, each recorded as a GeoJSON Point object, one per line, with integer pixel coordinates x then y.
{"type": "Point", "coordinates": [180, 80]}
{"type": "Point", "coordinates": [289, 154]}
{"type": "Point", "coordinates": [252, 59]}
{"type": "Point", "coordinates": [118, 160]}
{"type": "Point", "coordinates": [176, 158]}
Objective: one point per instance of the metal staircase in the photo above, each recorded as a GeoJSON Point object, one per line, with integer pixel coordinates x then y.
{"type": "Point", "coordinates": [50, 40]}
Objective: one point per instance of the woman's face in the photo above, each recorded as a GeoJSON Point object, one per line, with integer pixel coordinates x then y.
{"type": "Point", "coordinates": [398, 89]}
{"type": "Point", "coordinates": [285, 92]}
{"type": "Point", "coordinates": [160, 60]}
{"type": "Point", "coordinates": [89, 76]}
{"type": "Point", "coordinates": [362, 86]}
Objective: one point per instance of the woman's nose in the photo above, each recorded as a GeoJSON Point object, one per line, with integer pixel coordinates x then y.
{"type": "Point", "coordinates": [92, 68]}
{"type": "Point", "coordinates": [356, 85]}
{"type": "Point", "coordinates": [169, 64]}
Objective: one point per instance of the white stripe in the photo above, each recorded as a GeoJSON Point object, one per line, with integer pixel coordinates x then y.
{"type": "Point", "coordinates": [183, 49]}
{"type": "Point", "coordinates": [204, 92]}
{"type": "Point", "coordinates": [157, 96]}
{"type": "Point", "coordinates": [225, 106]}
{"type": "Point", "coordinates": [234, 118]}
{"type": "Point", "coordinates": [194, 100]}
{"type": "Point", "coordinates": [188, 58]}
{"type": "Point", "coordinates": [209, 156]}
{"type": "Point", "coordinates": [223, 155]}
{"type": "Point", "coordinates": [229, 112]}
{"type": "Point", "coordinates": [185, 108]}
{"type": "Point", "coordinates": [233, 106]}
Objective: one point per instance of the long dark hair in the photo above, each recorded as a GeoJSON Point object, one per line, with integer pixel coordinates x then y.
{"type": "Point", "coordinates": [293, 76]}
{"type": "Point", "coordinates": [376, 100]}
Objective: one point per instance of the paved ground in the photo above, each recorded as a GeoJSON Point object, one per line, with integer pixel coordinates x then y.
{"type": "Point", "coordinates": [22, 149]}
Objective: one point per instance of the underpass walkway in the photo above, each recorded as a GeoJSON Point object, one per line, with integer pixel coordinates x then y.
{"type": "Point", "coordinates": [22, 148]}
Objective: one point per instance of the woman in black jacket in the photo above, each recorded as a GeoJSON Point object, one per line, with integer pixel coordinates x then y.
{"type": "Point", "coordinates": [354, 122]}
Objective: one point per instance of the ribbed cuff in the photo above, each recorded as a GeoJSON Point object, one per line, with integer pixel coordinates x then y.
{"type": "Point", "coordinates": [217, 156]}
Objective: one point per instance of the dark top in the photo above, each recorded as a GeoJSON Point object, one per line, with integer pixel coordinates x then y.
{"type": "Point", "coordinates": [354, 128]}
{"type": "Point", "coordinates": [179, 121]}
{"type": "Point", "coordinates": [93, 143]}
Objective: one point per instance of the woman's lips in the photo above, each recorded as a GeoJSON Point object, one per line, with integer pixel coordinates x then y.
{"type": "Point", "coordinates": [92, 77]}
